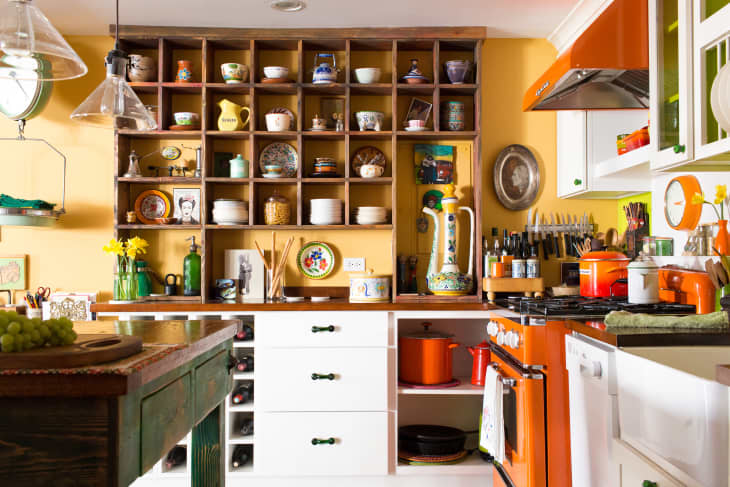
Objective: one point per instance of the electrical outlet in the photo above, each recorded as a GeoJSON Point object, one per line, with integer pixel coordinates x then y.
{"type": "Point", "coordinates": [354, 264]}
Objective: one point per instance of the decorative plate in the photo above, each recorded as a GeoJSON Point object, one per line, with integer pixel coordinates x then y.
{"type": "Point", "coordinates": [280, 154]}
{"type": "Point", "coordinates": [151, 205]}
{"type": "Point", "coordinates": [292, 123]}
{"type": "Point", "coordinates": [316, 260]}
{"type": "Point", "coordinates": [367, 155]}
{"type": "Point", "coordinates": [516, 177]}
{"type": "Point", "coordinates": [432, 199]}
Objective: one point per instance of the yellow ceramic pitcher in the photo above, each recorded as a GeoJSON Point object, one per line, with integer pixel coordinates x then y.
{"type": "Point", "coordinates": [230, 117]}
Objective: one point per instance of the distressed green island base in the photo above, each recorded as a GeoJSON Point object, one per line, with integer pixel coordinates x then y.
{"type": "Point", "coordinates": [107, 425]}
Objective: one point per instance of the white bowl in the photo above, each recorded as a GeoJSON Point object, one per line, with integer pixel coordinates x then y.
{"type": "Point", "coordinates": [278, 122]}
{"type": "Point", "coordinates": [276, 72]}
{"type": "Point", "coordinates": [367, 75]}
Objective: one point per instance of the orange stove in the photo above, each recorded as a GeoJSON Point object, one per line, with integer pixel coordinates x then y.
{"type": "Point", "coordinates": [684, 286]}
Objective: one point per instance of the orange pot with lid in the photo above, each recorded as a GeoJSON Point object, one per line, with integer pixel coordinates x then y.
{"type": "Point", "coordinates": [603, 274]}
{"type": "Point", "coordinates": [425, 357]}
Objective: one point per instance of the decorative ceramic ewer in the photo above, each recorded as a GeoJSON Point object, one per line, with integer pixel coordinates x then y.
{"type": "Point", "coordinates": [721, 241]}
{"type": "Point", "coordinates": [449, 281]}
{"type": "Point", "coordinates": [184, 71]}
{"type": "Point", "coordinates": [230, 117]}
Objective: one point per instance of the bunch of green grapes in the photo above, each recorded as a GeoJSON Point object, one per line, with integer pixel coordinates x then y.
{"type": "Point", "coordinates": [19, 334]}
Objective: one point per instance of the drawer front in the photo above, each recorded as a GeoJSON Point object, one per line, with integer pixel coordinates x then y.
{"type": "Point", "coordinates": [167, 416]}
{"type": "Point", "coordinates": [322, 329]}
{"type": "Point", "coordinates": [284, 443]}
{"type": "Point", "coordinates": [637, 469]}
{"type": "Point", "coordinates": [347, 379]}
{"type": "Point", "coordinates": [213, 382]}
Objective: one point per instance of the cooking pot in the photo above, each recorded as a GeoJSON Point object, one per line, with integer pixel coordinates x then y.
{"type": "Point", "coordinates": [481, 357]}
{"type": "Point", "coordinates": [600, 273]}
{"type": "Point", "coordinates": [430, 439]}
{"type": "Point", "coordinates": [424, 357]}
{"type": "Point", "coordinates": [643, 282]}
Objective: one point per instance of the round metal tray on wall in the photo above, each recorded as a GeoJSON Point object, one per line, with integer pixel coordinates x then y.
{"type": "Point", "coordinates": [516, 177]}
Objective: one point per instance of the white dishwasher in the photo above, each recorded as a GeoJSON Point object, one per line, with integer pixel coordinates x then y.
{"type": "Point", "coordinates": [593, 420]}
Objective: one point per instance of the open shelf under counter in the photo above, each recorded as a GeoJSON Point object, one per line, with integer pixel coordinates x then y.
{"type": "Point", "coordinates": [142, 226]}
{"type": "Point", "coordinates": [161, 134]}
{"type": "Point", "coordinates": [144, 86]}
{"type": "Point", "coordinates": [465, 388]}
{"type": "Point", "coordinates": [440, 135]}
{"type": "Point", "coordinates": [159, 180]}
{"type": "Point", "coordinates": [473, 465]}
{"type": "Point", "coordinates": [191, 88]}
{"type": "Point", "coordinates": [276, 88]}
{"type": "Point", "coordinates": [637, 159]}
{"type": "Point", "coordinates": [223, 134]}
{"type": "Point", "coordinates": [371, 89]}
{"type": "Point", "coordinates": [323, 88]}
{"type": "Point", "coordinates": [232, 88]}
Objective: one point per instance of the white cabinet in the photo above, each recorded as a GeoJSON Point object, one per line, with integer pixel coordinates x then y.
{"type": "Point", "coordinates": [637, 470]}
{"type": "Point", "coordinates": [588, 165]}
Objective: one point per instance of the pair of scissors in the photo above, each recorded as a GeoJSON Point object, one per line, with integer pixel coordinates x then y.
{"type": "Point", "coordinates": [42, 293]}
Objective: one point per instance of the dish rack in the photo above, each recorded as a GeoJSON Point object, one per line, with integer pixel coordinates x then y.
{"type": "Point", "coordinates": [32, 217]}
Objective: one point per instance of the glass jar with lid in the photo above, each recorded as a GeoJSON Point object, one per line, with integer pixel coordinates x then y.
{"type": "Point", "coordinates": [277, 210]}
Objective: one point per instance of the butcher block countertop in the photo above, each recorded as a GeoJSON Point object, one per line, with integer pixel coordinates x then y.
{"type": "Point", "coordinates": [649, 337]}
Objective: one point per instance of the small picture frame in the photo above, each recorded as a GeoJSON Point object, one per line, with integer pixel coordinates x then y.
{"type": "Point", "coordinates": [13, 272]}
{"type": "Point", "coordinates": [419, 110]}
{"type": "Point", "coordinates": [329, 106]}
{"type": "Point", "coordinates": [187, 205]}
{"type": "Point", "coordinates": [222, 164]}
{"type": "Point", "coordinates": [246, 268]}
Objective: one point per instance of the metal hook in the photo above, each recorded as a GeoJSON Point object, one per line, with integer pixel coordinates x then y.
{"type": "Point", "coordinates": [21, 129]}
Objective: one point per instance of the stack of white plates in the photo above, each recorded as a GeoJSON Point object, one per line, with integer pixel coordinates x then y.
{"type": "Point", "coordinates": [230, 211]}
{"type": "Point", "coordinates": [370, 215]}
{"type": "Point", "coordinates": [326, 211]}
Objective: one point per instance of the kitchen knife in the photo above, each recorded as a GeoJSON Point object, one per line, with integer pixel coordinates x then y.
{"type": "Point", "coordinates": [529, 230]}
{"type": "Point", "coordinates": [545, 240]}
{"type": "Point", "coordinates": [576, 235]}
{"type": "Point", "coordinates": [556, 242]}
{"type": "Point", "coordinates": [566, 236]}
{"type": "Point", "coordinates": [536, 235]}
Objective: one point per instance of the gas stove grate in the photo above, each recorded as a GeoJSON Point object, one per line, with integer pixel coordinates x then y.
{"type": "Point", "coordinates": [576, 306]}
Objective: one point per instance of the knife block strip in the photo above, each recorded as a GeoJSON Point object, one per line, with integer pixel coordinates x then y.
{"type": "Point", "coordinates": [532, 286]}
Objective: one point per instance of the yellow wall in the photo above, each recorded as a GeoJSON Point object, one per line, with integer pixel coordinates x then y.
{"type": "Point", "coordinates": [69, 256]}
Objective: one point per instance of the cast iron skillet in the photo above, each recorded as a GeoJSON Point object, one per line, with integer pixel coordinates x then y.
{"type": "Point", "coordinates": [429, 439]}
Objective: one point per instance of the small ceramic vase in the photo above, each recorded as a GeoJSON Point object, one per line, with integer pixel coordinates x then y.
{"type": "Point", "coordinates": [452, 116]}
{"type": "Point", "coordinates": [234, 73]}
{"type": "Point", "coordinates": [721, 241]}
{"type": "Point", "coordinates": [184, 71]}
{"type": "Point", "coordinates": [141, 69]}
{"type": "Point", "coordinates": [239, 167]}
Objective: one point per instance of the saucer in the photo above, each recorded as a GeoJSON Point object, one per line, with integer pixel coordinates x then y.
{"type": "Point", "coordinates": [272, 176]}
{"type": "Point", "coordinates": [416, 129]}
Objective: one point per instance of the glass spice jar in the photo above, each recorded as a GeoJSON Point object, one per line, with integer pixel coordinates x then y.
{"type": "Point", "coordinates": [277, 210]}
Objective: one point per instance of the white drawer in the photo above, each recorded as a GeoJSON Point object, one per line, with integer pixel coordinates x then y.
{"type": "Point", "coordinates": [359, 379]}
{"type": "Point", "coordinates": [284, 443]}
{"type": "Point", "coordinates": [333, 329]}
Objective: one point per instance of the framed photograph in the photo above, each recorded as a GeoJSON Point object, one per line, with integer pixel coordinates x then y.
{"type": "Point", "coordinates": [328, 106]}
{"type": "Point", "coordinates": [187, 205]}
{"type": "Point", "coordinates": [434, 164]}
{"type": "Point", "coordinates": [419, 110]}
{"type": "Point", "coordinates": [222, 164]}
{"type": "Point", "coordinates": [13, 272]}
{"type": "Point", "coordinates": [247, 269]}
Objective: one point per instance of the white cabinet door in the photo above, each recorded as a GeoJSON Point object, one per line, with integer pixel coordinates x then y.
{"type": "Point", "coordinates": [636, 469]}
{"type": "Point", "coordinates": [670, 72]}
{"type": "Point", "coordinates": [322, 379]}
{"type": "Point", "coordinates": [336, 443]}
{"type": "Point", "coordinates": [572, 153]}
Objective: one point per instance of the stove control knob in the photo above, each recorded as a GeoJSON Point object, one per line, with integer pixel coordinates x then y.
{"type": "Point", "coordinates": [513, 339]}
{"type": "Point", "coordinates": [492, 328]}
{"type": "Point", "coordinates": [501, 338]}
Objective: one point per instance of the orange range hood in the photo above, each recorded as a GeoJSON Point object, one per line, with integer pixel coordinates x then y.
{"type": "Point", "coordinates": [607, 67]}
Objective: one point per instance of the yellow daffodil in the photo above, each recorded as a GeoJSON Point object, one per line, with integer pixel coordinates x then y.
{"type": "Point", "coordinates": [698, 199]}
{"type": "Point", "coordinates": [720, 193]}
{"type": "Point", "coordinates": [115, 247]}
{"type": "Point", "coordinates": [136, 246]}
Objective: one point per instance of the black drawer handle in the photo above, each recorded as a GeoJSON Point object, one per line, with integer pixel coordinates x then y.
{"type": "Point", "coordinates": [328, 441]}
{"type": "Point", "coordinates": [316, 329]}
{"type": "Point", "coordinates": [323, 376]}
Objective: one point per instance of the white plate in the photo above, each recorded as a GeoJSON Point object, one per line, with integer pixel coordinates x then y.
{"type": "Point", "coordinates": [716, 95]}
{"type": "Point", "coordinates": [724, 98]}
{"type": "Point", "coordinates": [319, 299]}
{"type": "Point", "coordinates": [416, 129]}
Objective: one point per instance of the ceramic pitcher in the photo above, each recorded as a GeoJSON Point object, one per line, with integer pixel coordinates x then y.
{"type": "Point", "coordinates": [449, 281]}
{"type": "Point", "coordinates": [324, 73]}
{"type": "Point", "coordinates": [230, 117]}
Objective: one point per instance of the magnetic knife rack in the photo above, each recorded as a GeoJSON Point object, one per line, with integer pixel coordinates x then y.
{"type": "Point", "coordinates": [561, 228]}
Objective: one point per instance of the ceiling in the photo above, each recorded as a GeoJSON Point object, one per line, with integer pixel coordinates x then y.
{"type": "Point", "coordinates": [503, 18]}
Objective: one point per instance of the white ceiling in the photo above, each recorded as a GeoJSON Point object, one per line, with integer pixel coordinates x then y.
{"type": "Point", "coordinates": [503, 18]}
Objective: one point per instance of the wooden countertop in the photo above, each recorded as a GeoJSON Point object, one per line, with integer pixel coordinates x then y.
{"type": "Point", "coordinates": [194, 337]}
{"type": "Point", "coordinates": [649, 337]}
{"type": "Point", "coordinates": [332, 305]}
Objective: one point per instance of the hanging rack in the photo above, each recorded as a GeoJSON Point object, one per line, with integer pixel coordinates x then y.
{"type": "Point", "coordinates": [30, 216]}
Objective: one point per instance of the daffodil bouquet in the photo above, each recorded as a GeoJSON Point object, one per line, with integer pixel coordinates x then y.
{"type": "Point", "coordinates": [720, 202]}
{"type": "Point", "coordinates": [126, 252]}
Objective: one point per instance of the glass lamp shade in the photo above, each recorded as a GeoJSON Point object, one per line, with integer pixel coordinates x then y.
{"type": "Point", "coordinates": [31, 48]}
{"type": "Point", "coordinates": [113, 104]}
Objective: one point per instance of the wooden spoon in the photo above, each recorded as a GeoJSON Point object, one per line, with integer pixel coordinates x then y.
{"type": "Point", "coordinates": [710, 268]}
{"type": "Point", "coordinates": [722, 276]}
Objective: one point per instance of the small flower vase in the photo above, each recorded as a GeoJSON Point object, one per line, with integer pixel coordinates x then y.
{"type": "Point", "coordinates": [184, 71]}
{"type": "Point", "coordinates": [125, 286]}
{"type": "Point", "coordinates": [721, 241]}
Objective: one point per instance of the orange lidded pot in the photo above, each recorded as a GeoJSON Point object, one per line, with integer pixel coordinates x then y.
{"type": "Point", "coordinates": [425, 357]}
{"type": "Point", "coordinates": [600, 273]}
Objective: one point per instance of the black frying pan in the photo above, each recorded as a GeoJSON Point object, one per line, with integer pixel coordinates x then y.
{"type": "Point", "coordinates": [428, 439]}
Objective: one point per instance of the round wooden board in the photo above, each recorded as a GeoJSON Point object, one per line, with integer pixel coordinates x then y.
{"type": "Point", "coordinates": [86, 350]}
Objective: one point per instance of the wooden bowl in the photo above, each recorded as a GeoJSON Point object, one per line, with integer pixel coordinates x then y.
{"type": "Point", "coordinates": [165, 221]}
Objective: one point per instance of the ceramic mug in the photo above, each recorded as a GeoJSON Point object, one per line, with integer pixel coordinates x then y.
{"type": "Point", "coordinates": [277, 122]}
{"type": "Point", "coordinates": [371, 171]}
{"type": "Point", "coordinates": [187, 118]}
{"type": "Point", "coordinates": [234, 73]}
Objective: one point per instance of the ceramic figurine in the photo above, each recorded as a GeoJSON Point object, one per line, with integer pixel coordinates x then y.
{"type": "Point", "coordinates": [452, 115]}
{"type": "Point", "coordinates": [324, 73]}
{"type": "Point", "coordinates": [449, 281]}
{"type": "Point", "coordinates": [184, 71]}
{"type": "Point", "coordinates": [369, 120]}
{"type": "Point", "coordinates": [414, 74]}
{"type": "Point", "coordinates": [230, 117]}
{"type": "Point", "coordinates": [141, 68]}
{"type": "Point", "coordinates": [234, 73]}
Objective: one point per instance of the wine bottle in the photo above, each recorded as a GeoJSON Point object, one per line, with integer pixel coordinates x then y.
{"type": "Point", "coordinates": [247, 427]}
{"type": "Point", "coordinates": [505, 242]}
{"type": "Point", "coordinates": [245, 363]}
{"type": "Point", "coordinates": [245, 334]}
{"type": "Point", "coordinates": [241, 455]}
{"type": "Point", "coordinates": [243, 394]}
{"type": "Point", "coordinates": [176, 457]}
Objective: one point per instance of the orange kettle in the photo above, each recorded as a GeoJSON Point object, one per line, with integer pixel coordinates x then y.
{"type": "Point", "coordinates": [481, 357]}
{"type": "Point", "coordinates": [425, 357]}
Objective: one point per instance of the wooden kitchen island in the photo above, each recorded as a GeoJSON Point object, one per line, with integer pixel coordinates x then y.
{"type": "Point", "coordinates": [109, 424]}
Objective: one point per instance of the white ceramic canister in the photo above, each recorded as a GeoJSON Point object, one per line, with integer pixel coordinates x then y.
{"type": "Point", "coordinates": [532, 268]}
{"type": "Point", "coordinates": [369, 288]}
{"type": "Point", "coordinates": [643, 282]}
{"type": "Point", "coordinates": [518, 268]}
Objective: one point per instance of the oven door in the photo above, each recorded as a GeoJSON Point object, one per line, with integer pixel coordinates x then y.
{"type": "Point", "coordinates": [524, 425]}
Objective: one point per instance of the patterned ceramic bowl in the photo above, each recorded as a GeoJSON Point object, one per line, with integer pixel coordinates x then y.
{"type": "Point", "coordinates": [370, 120]}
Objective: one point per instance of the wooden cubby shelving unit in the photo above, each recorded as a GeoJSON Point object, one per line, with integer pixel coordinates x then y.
{"type": "Point", "coordinates": [209, 47]}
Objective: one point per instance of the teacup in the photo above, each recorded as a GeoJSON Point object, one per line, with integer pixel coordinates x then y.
{"type": "Point", "coordinates": [371, 171]}
{"type": "Point", "coordinates": [414, 124]}
{"type": "Point", "coordinates": [234, 73]}
{"type": "Point", "coordinates": [277, 122]}
{"type": "Point", "coordinates": [187, 118]}
{"type": "Point", "coordinates": [319, 123]}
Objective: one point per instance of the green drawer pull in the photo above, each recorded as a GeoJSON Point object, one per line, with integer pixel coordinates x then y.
{"type": "Point", "coordinates": [328, 441]}
{"type": "Point", "coordinates": [316, 329]}
{"type": "Point", "coordinates": [649, 483]}
{"type": "Point", "coordinates": [677, 149]}
{"type": "Point", "coordinates": [323, 376]}
{"type": "Point", "coordinates": [577, 182]}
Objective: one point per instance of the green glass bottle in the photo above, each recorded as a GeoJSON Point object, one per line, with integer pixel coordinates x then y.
{"type": "Point", "coordinates": [191, 270]}
{"type": "Point", "coordinates": [144, 283]}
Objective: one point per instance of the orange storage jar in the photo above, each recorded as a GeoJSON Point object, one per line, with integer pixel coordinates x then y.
{"type": "Point", "coordinates": [425, 357]}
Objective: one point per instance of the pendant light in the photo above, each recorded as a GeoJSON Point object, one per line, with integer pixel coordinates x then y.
{"type": "Point", "coordinates": [31, 48]}
{"type": "Point", "coordinates": [113, 104]}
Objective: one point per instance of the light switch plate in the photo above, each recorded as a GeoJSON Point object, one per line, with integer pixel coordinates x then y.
{"type": "Point", "coordinates": [354, 264]}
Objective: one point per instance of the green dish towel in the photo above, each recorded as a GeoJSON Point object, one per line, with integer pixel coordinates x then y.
{"type": "Point", "coordinates": [7, 201]}
{"type": "Point", "coordinates": [624, 319]}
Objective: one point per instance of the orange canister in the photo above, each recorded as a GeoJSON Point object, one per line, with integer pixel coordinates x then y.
{"type": "Point", "coordinates": [425, 357]}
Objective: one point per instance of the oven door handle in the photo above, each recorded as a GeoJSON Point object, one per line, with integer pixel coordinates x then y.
{"type": "Point", "coordinates": [508, 381]}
